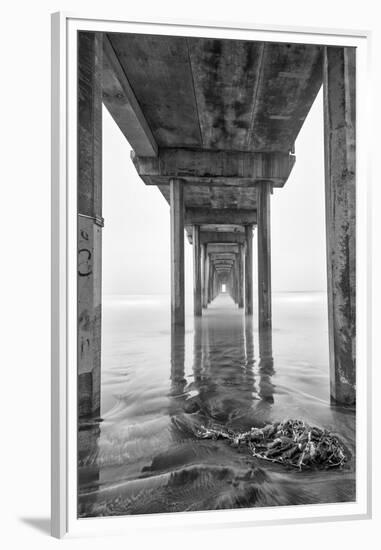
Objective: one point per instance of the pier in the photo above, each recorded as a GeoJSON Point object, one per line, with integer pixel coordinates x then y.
{"type": "Point", "coordinates": [212, 123]}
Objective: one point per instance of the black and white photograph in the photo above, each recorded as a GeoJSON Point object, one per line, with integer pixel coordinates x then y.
{"type": "Point", "coordinates": [190, 275]}
{"type": "Point", "coordinates": [216, 274]}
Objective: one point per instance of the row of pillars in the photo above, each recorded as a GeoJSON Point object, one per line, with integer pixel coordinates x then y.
{"type": "Point", "coordinates": [235, 278]}
{"type": "Point", "coordinates": [340, 153]}
{"type": "Point", "coordinates": [206, 279]}
{"type": "Point", "coordinates": [238, 275]}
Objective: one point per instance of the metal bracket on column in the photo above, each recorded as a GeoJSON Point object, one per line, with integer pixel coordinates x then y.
{"type": "Point", "coordinates": [98, 220]}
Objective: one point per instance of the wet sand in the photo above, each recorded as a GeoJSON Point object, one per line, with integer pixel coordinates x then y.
{"type": "Point", "coordinates": [143, 456]}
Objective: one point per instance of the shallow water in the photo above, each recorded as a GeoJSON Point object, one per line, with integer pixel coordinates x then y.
{"type": "Point", "coordinates": [142, 457]}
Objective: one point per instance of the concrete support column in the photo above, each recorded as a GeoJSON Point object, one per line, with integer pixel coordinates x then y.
{"type": "Point", "coordinates": [202, 262]}
{"type": "Point", "coordinates": [210, 298]}
{"type": "Point", "coordinates": [213, 284]}
{"type": "Point", "coordinates": [241, 279]}
{"type": "Point", "coordinates": [339, 83]}
{"type": "Point", "coordinates": [249, 270]}
{"type": "Point", "coordinates": [90, 222]}
{"type": "Point", "coordinates": [264, 267]}
{"type": "Point", "coordinates": [178, 380]}
{"type": "Point", "coordinates": [206, 279]}
{"type": "Point", "coordinates": [234, 289]}
{"type": "Point", "coordinates": [234, 282]}
{"type": "Point", "coordinates": [235, 279]}
{"type": "Point", "coordinates": [238, 279]}
{"type": "Point", "coordinates": [177, 252]}
{"type": "Point", "coordinates": [197, 271]}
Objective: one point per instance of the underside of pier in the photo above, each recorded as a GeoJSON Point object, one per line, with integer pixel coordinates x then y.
{"type": "Point", "coordinates": [212, 123]}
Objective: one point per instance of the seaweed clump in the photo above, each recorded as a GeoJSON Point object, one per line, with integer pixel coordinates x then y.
{"type": "Point", "coordinates": [291, 442]}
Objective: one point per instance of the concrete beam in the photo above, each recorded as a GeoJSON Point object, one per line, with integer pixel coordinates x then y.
{"type": "Point", "coordinates": [212, 234]}
{"type": "Point", "coordinates": [223, 263]}
{"type": "Point", "coordinates": [225, 238]}
{"type": "Point", "coordinates": [222, 247]}
{"type": "Point", "coordinates": [90, 222]}
{"type": "Point", "coordinates": [223, 266]}
{"type": "Point", "coordinates": [123, 106]}
{"type": "Point", "coordinates": [219, 168]}
{"type": "Point", "coordinates": [201, 216]}
{"type": "Point", "coordinates": [223, 228]}
{"type": "Point", "coordinates": [177, 253]}
{"type": "Point", "coordinates": [221, 255]}
{"type": "Point", "coordinates": [339, 85]}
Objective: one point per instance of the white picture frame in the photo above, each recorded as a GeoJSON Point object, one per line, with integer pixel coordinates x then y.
{"type": "Point", "coordinates": [64, 318]}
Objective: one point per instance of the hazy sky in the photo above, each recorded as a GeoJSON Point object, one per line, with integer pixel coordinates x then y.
{"type": "Point", "coordinates": [136, 246]}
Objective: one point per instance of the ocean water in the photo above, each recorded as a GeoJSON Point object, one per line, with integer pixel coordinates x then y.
{"type": "Point", "coordinates": [142, 456]}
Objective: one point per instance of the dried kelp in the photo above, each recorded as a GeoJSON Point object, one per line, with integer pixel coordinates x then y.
{"type": "Point", "coordinates": [291, 442]}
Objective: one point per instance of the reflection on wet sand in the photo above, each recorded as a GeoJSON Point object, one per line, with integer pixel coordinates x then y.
{"type": "Point", "coordinates": [144, 456]}
{"type": "Point", "coordinates": [223, 367]}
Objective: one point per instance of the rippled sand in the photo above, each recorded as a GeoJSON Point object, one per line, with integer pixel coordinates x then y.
{"type": "Point", "coordinates": [143, 457]}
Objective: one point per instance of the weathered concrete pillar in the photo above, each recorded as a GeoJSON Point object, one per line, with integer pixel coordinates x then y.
{"type": "Point", "coordinates": [177, 252]}
{"type": "Point", "coordinates": [232, 273]}
{"type": "Point", "coordinates": [249, 270]}
{"type": "Point", "coordinates": [206, 279]}
{"type": "Point", "coordinates": [197, 271]}
{"type": "Point", "coordinates": [198, 351]}
{"type": "Point", "coordinates": [178, 380]}
{"type": "Point", "coordinates": [210, 290]}
{"type": "Point", "coordinates": [202, 262]}
{"type": "Point", "coordinates": [234, 283]}
{"type": "Point", "coordinates": [241, 279]}
{"type": "Point", "coordinates": [88, 445]}
{"type": "Point", "coordinates": [264, 267]}
{"type": "Point", "coordinates": [90, 222]}
{"type": "Point", "coordinates": [266, 372]}
{"type": "Point", "coordinates": [238, 279]}
{"type": "Point", "coordinates": [339, 69]}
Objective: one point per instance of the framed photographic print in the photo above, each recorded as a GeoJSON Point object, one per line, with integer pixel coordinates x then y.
{"type": "Point", "coordinates": [211, 296]}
